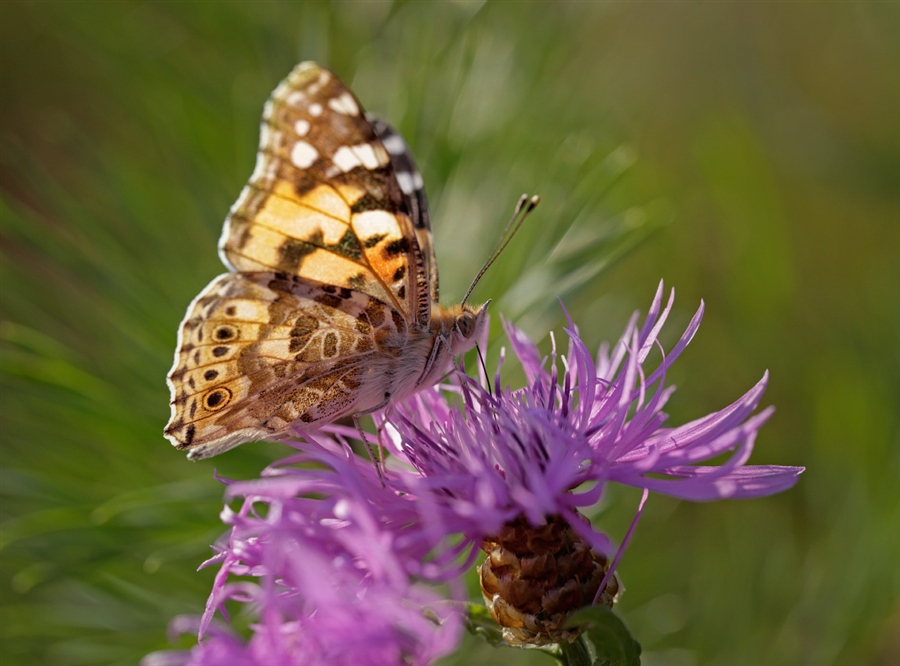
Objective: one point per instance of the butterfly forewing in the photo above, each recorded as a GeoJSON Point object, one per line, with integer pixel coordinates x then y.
{"type": "Point", "coordinates": [324, 203]}
{"type": "Point", "coordinates": [413, 188]}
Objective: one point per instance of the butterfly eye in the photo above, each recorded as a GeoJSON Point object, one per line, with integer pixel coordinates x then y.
{"type": "Point", "coordinates": [466, 324]}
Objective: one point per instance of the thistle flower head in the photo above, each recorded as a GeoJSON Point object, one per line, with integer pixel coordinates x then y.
{"type": "Point", "coordinates": [505, 460]}
{"type": "Point", "coordinates": [550, 447]}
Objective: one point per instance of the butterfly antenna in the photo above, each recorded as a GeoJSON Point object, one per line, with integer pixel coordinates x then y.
{"type": "Point", "coordinates": [525, 205]}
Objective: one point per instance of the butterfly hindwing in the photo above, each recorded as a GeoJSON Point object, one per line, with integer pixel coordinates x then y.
{"type": "Point", "coordinates": [258, 351]}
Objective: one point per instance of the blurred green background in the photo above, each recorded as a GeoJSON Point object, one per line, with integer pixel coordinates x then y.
{"type": "Point", "coordinates": [747, 153]}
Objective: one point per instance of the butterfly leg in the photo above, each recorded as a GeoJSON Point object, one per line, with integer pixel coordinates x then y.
{"type": "Point", "coordinates": [432, 359]}
{"type": "Point", "coordinates": [376, 454]}
{"type": "Point", "coordinates": [376, 451]}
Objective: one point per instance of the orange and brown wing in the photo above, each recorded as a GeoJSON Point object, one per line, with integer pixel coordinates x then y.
{"type": "Point", "coordinates": [324, 203]}
{"type": "Point", "coordinates": [259, 351]}
{"type": "Point", "coordinates": [413, 188]}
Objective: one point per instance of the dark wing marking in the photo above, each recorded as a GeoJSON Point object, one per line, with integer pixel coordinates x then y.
{"type": "Point", "coordinates": [413, 188]}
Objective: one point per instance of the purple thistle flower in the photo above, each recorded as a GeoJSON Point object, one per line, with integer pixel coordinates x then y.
{"type": "Point", "coordinates": [528, 451]}
{"type": "Point", "coordinates": [538, 455]}
{"type": "Point", "coordinates": [332, 561]}
{"type": "Point", "coordinates": [340, 564]}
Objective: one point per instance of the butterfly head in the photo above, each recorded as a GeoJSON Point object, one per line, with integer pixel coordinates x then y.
{"type": "Point", "coordinates": [468, 326]}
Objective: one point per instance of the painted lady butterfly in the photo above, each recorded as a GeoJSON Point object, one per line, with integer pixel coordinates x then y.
{"type": "Point", "coordinates": [330, 308]}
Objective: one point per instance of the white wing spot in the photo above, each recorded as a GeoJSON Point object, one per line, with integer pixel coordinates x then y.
{"type": "Point", "coordinates": [344, 104]}
{"type": "Point", "coordinates": [281, 89]}
{"type": "Point", "coordinates": [265, 166]}
{"type": "Point", "coordinates": [267, 109]}
{"type": "Point", "coordinates": [265, 138]}
{"type": "Point", "coordinates": [301, 127]}
{"type": "Point", "coordinates": [363, 154]}
{"type": "Point", "coordinates": [295, 98]}
{"type": "Point", "coordinates": [367, 155]}
{"type": "Point", "coordinates": [303, 154]}
{"type": "Point", "coordinates": [381, 154]}
{"type": "Point", "coordinates": [406, 182]}
{"type": "Point", "coordinates": [315, 109]}
{"type": "Point", "coordinates": [394, 144]}
{"type": "Point", "coordinates": [345, 159]}
{"type": "Point", "coordinates": [376, 222]}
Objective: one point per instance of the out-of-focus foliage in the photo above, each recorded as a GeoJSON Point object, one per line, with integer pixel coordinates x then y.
{"type": "Point", "coordinates": [749, 151]}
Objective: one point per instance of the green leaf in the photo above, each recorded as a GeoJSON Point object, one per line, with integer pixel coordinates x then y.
{"type": "Point", "coordinates": [606, 636]}
{"type": "Point", "coordinates": [579, 652]}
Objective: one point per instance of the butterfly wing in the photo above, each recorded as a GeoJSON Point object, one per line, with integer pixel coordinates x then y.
{"type": "Point", "coordinates": [259, 351]}
{"type": "Point", "coordinates": [325, 246]}
{"type": "Point", "coordinates": [413, 188]}
{"type": "Point", "coordinates": [324, 203]}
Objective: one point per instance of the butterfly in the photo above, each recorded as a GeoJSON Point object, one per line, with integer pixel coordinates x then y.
{"type": "Point", "coordinates": [330, 306]}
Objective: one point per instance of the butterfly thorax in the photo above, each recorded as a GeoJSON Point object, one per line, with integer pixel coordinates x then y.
{"type": "Point", "coordinates": [452, 331]}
